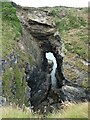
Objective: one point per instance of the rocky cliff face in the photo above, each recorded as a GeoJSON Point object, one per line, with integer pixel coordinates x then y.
{"type": "Point", "coordinates": [40, 36]}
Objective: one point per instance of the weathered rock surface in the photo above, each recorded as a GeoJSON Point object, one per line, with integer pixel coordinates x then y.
{"type": "Point", "coordinates": [40, 36]}
{"type": "Point", "coordinates": [75, 70]}
{"type": "Point", "coordinates": [71, 93]}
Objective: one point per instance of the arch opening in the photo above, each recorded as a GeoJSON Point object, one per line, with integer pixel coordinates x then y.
{"type": "Point", "coordinates": [52, 60]}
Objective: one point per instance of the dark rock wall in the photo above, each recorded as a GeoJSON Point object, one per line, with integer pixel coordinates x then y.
{"type": "Point", "coordinates": [40, 36]}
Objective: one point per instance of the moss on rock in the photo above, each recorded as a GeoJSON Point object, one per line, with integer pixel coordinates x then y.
{"type": "Point", "coordinates": [13, 89]}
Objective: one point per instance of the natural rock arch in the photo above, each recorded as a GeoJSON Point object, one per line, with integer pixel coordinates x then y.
{"type": "Point", "coordinates": [43, 33]}
{"type": "Point", "coordinates": [40, 36]}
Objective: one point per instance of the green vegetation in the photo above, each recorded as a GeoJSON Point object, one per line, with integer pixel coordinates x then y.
{"type": "Point", "coordinates": [79, 110]}
{"type": "Point", "coordinates": [72, 24]}
{"type": "Point", "coordinates": [16, 112]}
{"type": "Point", "coordinates": [71, 75]}
{"type": "Point", "coordinates": [11, 38]}
{"type": "Point", "coordinates": [70, 110]}
{"type": "Point", "coordinates": [11, 28]}
{"type": "Point", "coordinates": [68, 18]}
{"type": "Point", "coordinates": [9, 16]}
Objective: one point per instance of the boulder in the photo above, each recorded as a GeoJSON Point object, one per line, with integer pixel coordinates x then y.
{"type": "Point", "coordinates": [71, 93]}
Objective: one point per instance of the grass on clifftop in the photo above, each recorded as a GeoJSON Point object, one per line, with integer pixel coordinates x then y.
{"type": "Point", "coordinates": [70, 110]}
{"type": "Point", "coordinates": [73, 26]}
{"type": "Point", "coordinates": [11, 28]}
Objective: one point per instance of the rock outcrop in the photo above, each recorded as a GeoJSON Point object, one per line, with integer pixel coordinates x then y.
{"type": "Point", "coordinates": [26, 74]}
{"type": "Point", "coordinates": [72, 93]}
{"type": "Point", "coordinates": [40, 36]}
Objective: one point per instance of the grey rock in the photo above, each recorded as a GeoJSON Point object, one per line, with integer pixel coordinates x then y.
{"type": "Point", "coordinates": [39, 35]}
{"type": "Point", "coordinates": [2, 101]}
{"type": "Point", "coordinates": [71, 93]}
